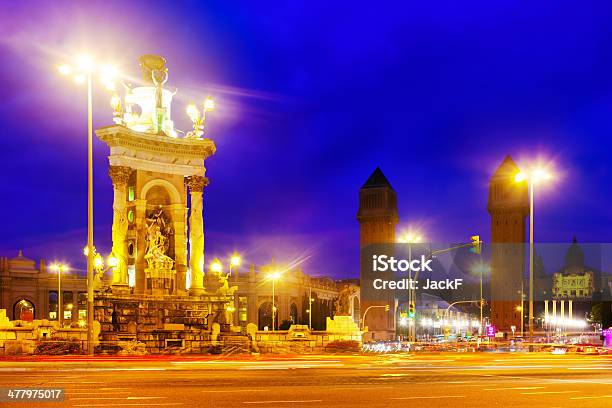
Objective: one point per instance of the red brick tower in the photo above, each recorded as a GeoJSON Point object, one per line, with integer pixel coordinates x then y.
{"type": "Point", "coordinates": [508, 206]}
{"type": "Point", "coordinates": [377, 217]}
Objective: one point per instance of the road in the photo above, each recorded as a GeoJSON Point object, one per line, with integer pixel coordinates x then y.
{"type": "Point", "coordinates": [420, 380]}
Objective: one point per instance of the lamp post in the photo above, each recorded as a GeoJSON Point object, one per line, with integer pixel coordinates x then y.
{"type": "Point", "coordinates": [198, 117]}
{"type": "Point", "coordinates": [273, 277]}
{"type": "Point", "coordinates": [235, 261]}
{"type": "Point", "coordinates": [309, 304]}
{"type": "Point", "coordinates": [83, 73]}
{"type": "Point", "coordinates": [532, 178]}
{"type": "Point", "coordinates": [480, 268]}
{"type": "Point", "coordinates": [59, 267]}
{"type": "Point", "coordinates": [411, 237]}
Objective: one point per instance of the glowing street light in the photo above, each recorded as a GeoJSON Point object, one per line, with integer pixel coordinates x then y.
{"type": "Point", "coordinates": [199, 117]}
{"type": "Point", "coordinates": [216, 266]}
{"type": "Point", "coordinates": [59, 268]}
{"type": "Point", "coordinates": [273, 277]}
{"type": "Point", "coordinates": [481, 268]}
{"type": "Point", "coordinates": [112, 261]}
{"type": "Point", "coordinates": [84, 62]}
{"type": "Point", "coordinates": [234, 261]}
{"type": "Point", "coordinates": [83, 70]}
{"type": "Point", "coordinates": [209, 104]}
{"type": "Point", "coordinates": [532, 177]}
{"type": "Point", "coordinates": [99, 266]}
{"type": "Point", "coordinates": [411, 237]}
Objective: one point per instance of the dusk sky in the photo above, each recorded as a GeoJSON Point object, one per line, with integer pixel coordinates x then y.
{"type": "Point", "coordinates": [311, 97]}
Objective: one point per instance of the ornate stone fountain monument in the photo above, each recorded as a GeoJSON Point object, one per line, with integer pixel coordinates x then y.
{"type": "Point", "coordinates": [157, 235]}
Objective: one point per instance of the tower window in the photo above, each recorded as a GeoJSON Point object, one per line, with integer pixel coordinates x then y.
{"type": "Point", "coordinates": [131, 193]}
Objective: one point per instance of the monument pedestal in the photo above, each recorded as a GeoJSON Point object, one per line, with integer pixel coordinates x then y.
{"type": "Point", "coordinates": [120, 289]}
{"type": "Point", "coordinates": [159, 281]}
{"type": "Point", "coordinates": [196, 291]}
{"type": "Point", "coordinates": [343, 328]}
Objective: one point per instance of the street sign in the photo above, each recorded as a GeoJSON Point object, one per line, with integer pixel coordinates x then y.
{"type": "Point", "coordinates": [491, 331]}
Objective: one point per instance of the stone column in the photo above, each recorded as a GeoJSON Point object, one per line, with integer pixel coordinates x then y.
{"type": "Point", "coordinates": [196, 186]}
{"type": "Point", "coordinates": [120, 176]}
{"type": "Point", "coordinates": [140, 207]}
{"type": "Point", "coordinates": [180, 247]}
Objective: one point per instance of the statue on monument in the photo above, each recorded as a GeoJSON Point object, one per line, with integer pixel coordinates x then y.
{"type": "Point", "coordinates": [158, 234]}
{"type": "Point", "coordinates": [343, 303]}
{"type": "Point", "coordinates": [155, 72]}
{"type": "Point", "coordinates": [225, 289]}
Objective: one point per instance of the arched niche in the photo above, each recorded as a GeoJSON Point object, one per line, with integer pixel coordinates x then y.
{"type": "Point", "coordinates": [161, 191]}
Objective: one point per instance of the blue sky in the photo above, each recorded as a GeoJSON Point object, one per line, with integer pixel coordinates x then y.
{"type": "Point", "coordinates": [312, 97]}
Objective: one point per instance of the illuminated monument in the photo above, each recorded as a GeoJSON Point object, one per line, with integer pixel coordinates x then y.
{"type": "Point", "coordinates": [508, 206]}
{"type": "Point", "coordinates": [153, 171]}
{"type": "Point", "coordinates": [157, 234]}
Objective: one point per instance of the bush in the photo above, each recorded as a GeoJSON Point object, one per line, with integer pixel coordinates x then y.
{"type": "Point", "coordinates": [343, 346]}
{"type": "Point", "coordinates": [54, 347]}
{"type": "Point", "coordinates": [285, 325]}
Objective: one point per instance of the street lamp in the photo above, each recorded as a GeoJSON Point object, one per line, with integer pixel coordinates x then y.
{"type": "Point", "coordinates": [59, 267]}
{"type": "Point", "coordinates": [98, 262]}
{"type": "Point", "coordinates": [198, 117]}
{"type": "Point", "coordinates": [411, 237]}
{"type": "Point", "coordinates": [235, 261]}
{"type": "Point", "coordinates": [481, 268]}
{"type": "Point", "coordinates": [216, 266]}
{"type": "Point", "coordinates": [273, 277]}
{"type": "Point", "coordinates": [83, 71]}
{"type": "Point", "coordinates": [535, 176]}
{"type": "Point", "coordinates": [520, 309]}
{"type": "Point", "coordinates": [309, 304]}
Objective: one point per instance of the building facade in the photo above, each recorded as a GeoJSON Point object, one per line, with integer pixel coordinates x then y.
{"type": "Point", "coordinates": [292, 290]}
{"type": "Point", "coordinates": [29, 291]}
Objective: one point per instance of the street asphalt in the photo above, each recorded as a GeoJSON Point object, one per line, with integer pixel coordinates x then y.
{"type": "Point", "coordinates": [418, 380]}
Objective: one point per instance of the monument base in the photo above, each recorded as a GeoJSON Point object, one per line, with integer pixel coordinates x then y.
{"type": "Point", "coordinates": [120, 289]}
{"type": "Point", "coordinates": [160, 324]}
{"type": "Point", "coordinates": [343, 328]}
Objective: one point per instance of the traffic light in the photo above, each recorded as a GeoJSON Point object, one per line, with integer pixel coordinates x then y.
{"type": "Point", "coordinates": [411, 310]}
{"type": "Point", "coordinates": [386, 308]}
{"type": "Point", "coordinates": [476, 244]}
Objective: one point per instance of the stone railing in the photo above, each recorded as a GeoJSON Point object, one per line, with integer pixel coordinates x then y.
{"type": "Point", "coordinates": [22, 337]}
{"type": "Point", "coordinates": [299, 339]}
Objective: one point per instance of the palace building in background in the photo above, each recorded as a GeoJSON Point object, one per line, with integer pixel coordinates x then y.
{"type": "Point", "coordinates": [29, 291]}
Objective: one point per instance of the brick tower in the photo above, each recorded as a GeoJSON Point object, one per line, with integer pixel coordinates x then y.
{"type": "Point", "coordinates": [508, 206]}
{"type": "Point", "coordinates": [377, 218]}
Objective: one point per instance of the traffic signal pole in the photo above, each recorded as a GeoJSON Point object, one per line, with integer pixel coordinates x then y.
{"type": "Point", "coordinates": [476, 245]}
